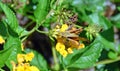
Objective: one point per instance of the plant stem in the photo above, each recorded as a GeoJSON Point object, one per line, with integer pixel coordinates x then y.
{"type": "Point", "coordinates": [29, 24]}
{"type": "Point", "coordinates": [61, 60]}
{"type": "Point", "coordinates": [107, 61]}
{"type": "Point", "coordinates": [27, 34]}
{"type": "Point", "coordinates": [1, 69]}
{"type": "Point", "coordinates": [56, 66]}
{"type": "Point", "coordinates": [42, 31]}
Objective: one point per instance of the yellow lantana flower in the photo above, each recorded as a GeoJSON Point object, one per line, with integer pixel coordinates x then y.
{"type": "Point", "coordinates": [2, 40]}
{"type": "Point", "coordinates": [25, 57]}
{"type": "Point", "coordinates": [60, 46]}
{"type": "Point", "coordinates": [64, 53]}
{"type": "Point", "coordinates": [26, 67]}
{"type": "Point", "coordinates": [64, 27]}
{"type": "Point", "coordinates": [23, 64]}
{"type": "Point", "coordinates": [33, 68]}
{"type": "Point", "coordinates": [29, 56]}
{"type": "Point", "coordinates": [70, 50]}
{"type": "Point", "coordinates": [20, 68]}
{"type": "Point", "coordinates": [20, 58]}
{"type": "Point", "coordinates": [81, 46]}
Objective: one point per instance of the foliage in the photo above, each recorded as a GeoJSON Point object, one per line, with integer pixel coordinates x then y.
{"type": "Point", "coordinates": [80, 34]}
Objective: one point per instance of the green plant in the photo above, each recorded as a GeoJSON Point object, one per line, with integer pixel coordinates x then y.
{"type": "Point", "coordinates": [78, 30]}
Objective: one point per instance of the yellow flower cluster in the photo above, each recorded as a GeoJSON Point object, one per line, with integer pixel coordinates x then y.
{"type": "Point", "coordinates": [23, 63]}
{"type": "Point", "coordinates": [64, 50]}
{"type": "Point", "coordinates": [64, 44]}
{"type": "Point", "coordinates": [64, 28]}
{"type": "Point", "coordinates": [2, 40]}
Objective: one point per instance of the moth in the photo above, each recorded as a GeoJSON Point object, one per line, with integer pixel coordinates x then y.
{"type": "Point", "coordinates": [71, 37]}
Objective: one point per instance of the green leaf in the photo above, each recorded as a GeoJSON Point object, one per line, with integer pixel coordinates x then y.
{"type": "Point", "coordinates": [41, 11]}
{"type": "Point", "coordinates": [108, 34]}
{"type": "Point", "coordinates": [34, 1]}
{"type": "Point", "coordinates": [107, 39]}
{"type": "Point", "coordinates": [112, 55]}
{"type": "Point", "coordinates": [22, 9]}
{"type": "Point", "coordinates": [4, 55]}
{"type": "Point", "coordinates": [3, 30]}
{"type": "Point", "coordinates": [15, 43]}
{"type": "Point", "coordinates": [22, 31]}
{"type": "Point", "coordinates": [94, 6]}
{"type": "Point", "coordinates": [116, 20]}
{"type": "Point", "coordinates": [11, 18]}
{"type": "Point", "coordinates": [85, 59]}
{"type": "Point", "coordinates": [12, 47]}
{"type": "Point", "coordinates": [115, 1]}
{"type": "Point", "coordinates": [118, 8]}
{"type": "Point", "coordinates": [117, 24]}
{"type": "Point", "coordinates": [119, 48]}
{"type": "Point", "coordinates": [100, 20]}
{"type": "Point", "coordinates": [107, 44]}
{"type": "Point", "coordinates": [38, 60]}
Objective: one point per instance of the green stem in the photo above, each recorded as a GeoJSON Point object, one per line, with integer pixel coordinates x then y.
{"type": "Point", "coordinates": [24, 38]}
{"type": "Point", "coordinates": [56, 66]}
{"type": "Point", "coordinates": [42, 31]}
{"type": "Point", "coordinates": [107, 61]}
{"type": "Point", "coordinates": [1, 69]}
{"type": "Point", "coordinates": [61, 58]}
{"type": "Point", "coordinates": [27, 34]}
{"type": "Point", "coordinates": [29, 24]}
{"type": "Point", "coordinates": [55, 59]}
{"type": "Point", "coordinates": [65, 69]}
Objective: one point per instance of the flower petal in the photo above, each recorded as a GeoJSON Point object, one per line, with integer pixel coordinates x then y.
{"type": "Point", "coordinates": [2, 40]}
{"type": "Point", "coordinates": [64, 27]}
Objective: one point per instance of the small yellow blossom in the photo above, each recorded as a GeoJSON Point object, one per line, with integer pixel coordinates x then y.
{"type": "Point", "coordinates": [81, 46]}
{"type": "Point", "coordinates": [64, 27]}
{"type": "Point", "coordinates": [57, 27]}
{"type": "Point", "coordinates": [29, 56]}
{"type": "Point", "coordinates": [33, 68]}
{"type": "Point", "coordinates": [19, 68]}
{"type": "Point", "coordinates": [64, 53]}
{"type": "Point", "coordinates": [23, 67]}
{"type": "Point", "coordinates": [23, 64]}
{"type": "Point", "coordinates": [70, 50]}
{"type": "Point", "coordinates": [2, 40]}
{"type": "Point", "coordinates": [20, 58]}
{"type": "Point", "coordinates": [60, 46]}
{"type": "Point", "coordinates": [26, 67]}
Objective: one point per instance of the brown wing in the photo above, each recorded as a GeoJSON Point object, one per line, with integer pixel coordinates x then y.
{"type": "Point", "coordinates": [76, 31]}
{"type": "Point", "coordinates": [71, 43]}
